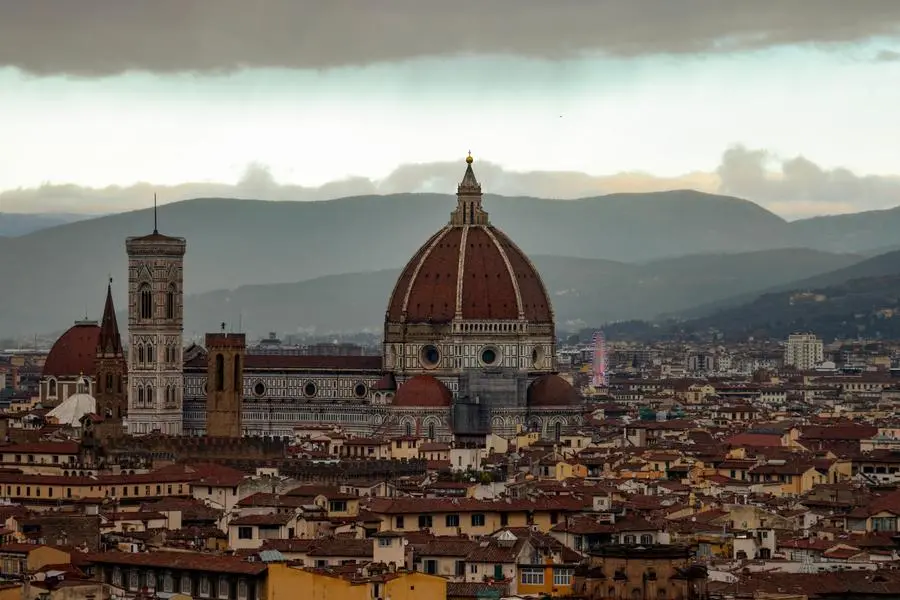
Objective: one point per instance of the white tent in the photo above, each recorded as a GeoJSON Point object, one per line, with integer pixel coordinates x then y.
{"type": "Point", "coordinates": [73, 409]}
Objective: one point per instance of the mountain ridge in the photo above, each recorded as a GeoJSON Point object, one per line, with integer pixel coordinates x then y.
{"type": "Point", "coordinates": [234, 242]}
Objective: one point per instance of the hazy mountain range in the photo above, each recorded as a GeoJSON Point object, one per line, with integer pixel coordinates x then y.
{"type": "Point", "coordinates": [16, 224]}
{"type": "Point", "coordinates": [834, 305]}
{"type": "Point", "coordinates": [604, 258]}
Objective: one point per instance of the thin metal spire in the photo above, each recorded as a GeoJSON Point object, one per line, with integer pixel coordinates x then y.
{"type": "Point", "coordinates": [155, 230]}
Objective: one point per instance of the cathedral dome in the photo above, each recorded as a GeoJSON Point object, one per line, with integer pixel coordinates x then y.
{"type": "Point", "coordinates": [552, 390]}
{"type": "Point", "coordinates": [423, 391]}
{"type": "Point", "coordinates": [74, 352]}
{"type": "Point", "coordinates": [469, 270]}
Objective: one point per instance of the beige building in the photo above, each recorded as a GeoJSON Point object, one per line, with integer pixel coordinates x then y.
{"type": "Point", "coordinates": [803, 351]}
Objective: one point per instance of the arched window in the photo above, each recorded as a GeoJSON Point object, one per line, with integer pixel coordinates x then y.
{"type": "Point", "coordinates": [431, 431]}
{"type": "Point", "coordinates": [408, 428]}
{"type": "Point", "coordinates": [150, 400]}
{"type": "Point", "coordinates": [51, 388]}
{"type": "Point", "coordinates": [109, 383]}
{"type": "Point", "coordinates": [558, 430]}
{"type": "Point", "coordinates": [140, 354]}
{"type": "Point", "coordinates": [151, 354]}
{"type": "Point", "coordinates": [220, 372]}
{"type": "Point", "coordinates": [140, 395]}
{"type": "Point", "coordinates": [237, 375]}
{"type": "Point", "coordinates": [170, 301]}
{"type": "Point", "coordinates": [145, 301]}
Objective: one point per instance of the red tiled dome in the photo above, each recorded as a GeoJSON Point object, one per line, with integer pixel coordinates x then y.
{"type": "Point", "coordinates": [552, 390]}
{"type": "Point", "coordinates": [423, 391]}
{"type": "Point", "coordinates": [74, 352]}
{"type": "Point", "coordinates": [474, 271]}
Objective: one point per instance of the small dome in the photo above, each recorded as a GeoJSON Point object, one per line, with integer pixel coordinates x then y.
{"type": "Point", "coordinates": [74, 352]}
{"type": "Point", "coordinates": [423, 391]}
{"type": "Point", "coordinates": [552, 390]}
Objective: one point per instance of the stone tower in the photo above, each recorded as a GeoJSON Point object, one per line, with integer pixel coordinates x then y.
{"type": "Point", "coordinates": [112, 367]}
{"type": "Point", "coordinates": [155, 328]}
{"type": "Point", "coordinates": [224, 384]}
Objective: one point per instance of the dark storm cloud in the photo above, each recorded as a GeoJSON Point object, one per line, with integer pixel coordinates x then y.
{"type": "Point", "coordinates": [101, 37]}
{"type": "Point", "coordinates": [792, 188]}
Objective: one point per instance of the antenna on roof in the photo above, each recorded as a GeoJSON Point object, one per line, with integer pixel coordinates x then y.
{"type": "Point", "coordinates": [155, 230]}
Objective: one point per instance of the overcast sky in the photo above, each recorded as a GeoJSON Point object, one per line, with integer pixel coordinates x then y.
{"type": "Point", "coordinates": [791, 104]}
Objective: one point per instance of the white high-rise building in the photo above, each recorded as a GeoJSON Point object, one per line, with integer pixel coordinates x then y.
{"type": "Point", "coordinates": [803, 351]}
{"type": "Point", "coordinates": [155, 328]}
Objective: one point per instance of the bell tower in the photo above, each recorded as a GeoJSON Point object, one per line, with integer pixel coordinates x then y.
{"type": "Point", "coordinates": [155, 328]}
{"type": "Point", "coordinates": [112, 368]}
{"type": "Point", "coordinates": [224, 383]}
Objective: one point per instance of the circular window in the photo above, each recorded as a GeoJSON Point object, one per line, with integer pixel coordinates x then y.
{"type": "Point", "coordinates": [259, 389]}
{"type": "Point", "coordinates": [310, 389]}
{"type": "Point", "coordinates": [359, 390]}
{"type": "Point", "coordinates": [431, 356]}
{"type": "Point", "coordinates": [490, 356]}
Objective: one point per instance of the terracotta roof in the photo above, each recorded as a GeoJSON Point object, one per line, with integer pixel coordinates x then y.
{"type": "Point", "coordinates": [754, 440]}
{"type": "Point", "coordinates": [42, 448]}
{"type": "Point", "coordinates": [74, 353]}
{"type": "Point", "coordinates": [423, 390]}
{"type": "Point", "coordinates": [186, 561]}
{"type": "Point", "coordinates": [262, 520]}
{"type": "Point", "coordinates": [20, 548]}
{"type": "Point", "coordinates": [343, 547]}
{"type": "Point", "coordinates": [400, 506]}
{"type": "Point", "coordinates": [447, 547]}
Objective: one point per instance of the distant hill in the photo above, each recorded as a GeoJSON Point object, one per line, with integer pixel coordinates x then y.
{"type": "Point", "coordinates": [60, 272]}
{"type": "Point", "coordinates": [583, 291]}
{"type": "Point", "coordinates": [16, 224]}
{"type": "Point", "coordinates": [878, 266]}
{"type": "Point", "coordinates": [868, 306]}
{"type": "Point", "coordinates": [54, 275]}
{"type": "Point", "coordinates": [855, 233]}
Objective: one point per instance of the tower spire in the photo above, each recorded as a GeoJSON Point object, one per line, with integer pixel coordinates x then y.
{"type": "Point", "coordinates": [155, 229]}
{"type": "Point", "coordinates": [109, 342]}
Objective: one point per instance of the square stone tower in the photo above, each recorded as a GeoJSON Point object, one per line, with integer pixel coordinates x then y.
{"type": "Point", "coordinates": [155, 328]}
{"type": "Point", "coordinates": [224, 383]}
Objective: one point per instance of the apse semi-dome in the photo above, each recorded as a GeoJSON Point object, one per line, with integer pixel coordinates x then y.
{"type": "Point", "coordinates": [75, 352]}
{"type": "Point", "coordinates": [423, 391]}
{"type": "Point", "coordinates": [469, 299]}
{"type": "Point", "coordinates": [552, 390]}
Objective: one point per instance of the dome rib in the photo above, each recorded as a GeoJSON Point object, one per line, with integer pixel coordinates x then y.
{"type": "Point", "coordinates": [412, 282]}
{"type": "Point", "coordinates": [509, 270]}
{"type": "Point", "coordinates": [461, 270]}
